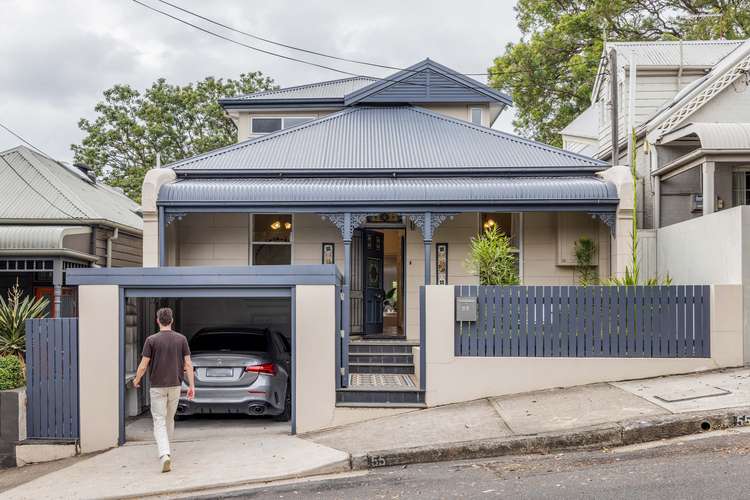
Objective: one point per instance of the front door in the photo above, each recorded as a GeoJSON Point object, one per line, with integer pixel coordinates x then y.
{"type": "Point", "coordinates": [372, 251]}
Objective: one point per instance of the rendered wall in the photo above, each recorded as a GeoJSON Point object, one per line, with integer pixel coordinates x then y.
{"type": "Point", "coordinates": [713, 249]}
{"type": "Point", "coordinates": [315, 333]}
{"type": "Point", "coordinates": [452, 379]}
{"type": "Point", "coordinates": [98, 366]}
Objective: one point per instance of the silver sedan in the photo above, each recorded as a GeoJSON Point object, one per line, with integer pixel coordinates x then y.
{"type": "Point", "coordinates": [239, 370]}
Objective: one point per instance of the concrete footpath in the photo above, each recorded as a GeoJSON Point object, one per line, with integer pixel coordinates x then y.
{"type": "Point", "coordinates": [598, 415]}
{"type": "Point", "coordinates": [225, 454]}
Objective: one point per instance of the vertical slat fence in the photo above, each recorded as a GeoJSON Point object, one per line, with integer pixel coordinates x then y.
{"type": "Point", "coordinates": [593, 321]}
{"type": "Point", "coordinates": [52, 378]}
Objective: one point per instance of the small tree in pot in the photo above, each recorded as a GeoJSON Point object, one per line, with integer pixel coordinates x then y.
{"type": "Point", "coordinates": [493, 258]}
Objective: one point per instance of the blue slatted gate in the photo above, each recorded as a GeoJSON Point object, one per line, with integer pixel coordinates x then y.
{"type": "Point", "coordinates": [52, 378]}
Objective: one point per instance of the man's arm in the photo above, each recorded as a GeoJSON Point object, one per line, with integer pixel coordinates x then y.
{"type": "Point", "coordinates": [188, 367]}
{"type": "Point", "coordinates": [141, 371]}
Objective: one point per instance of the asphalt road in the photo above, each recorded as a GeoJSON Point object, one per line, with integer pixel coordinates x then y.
{"type": "Point", "coordinates": [708, 468]}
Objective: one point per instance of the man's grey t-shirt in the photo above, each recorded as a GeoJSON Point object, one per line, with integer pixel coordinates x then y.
{"type": "Point", "coordinates": [167, 350]}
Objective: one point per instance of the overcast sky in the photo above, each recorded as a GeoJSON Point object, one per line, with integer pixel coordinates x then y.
{"type": "Point", "coordinates": [58, 56]}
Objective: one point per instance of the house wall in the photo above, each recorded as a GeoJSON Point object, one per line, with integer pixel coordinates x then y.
{"type": "Point", "coordinates": [460, 111]}
{"type": "Point", "coordinates": [224, 240]}
{"type": "Point", "coordinates": [719, 253]}
{"type": "Point", "coordinates": [731, 105]}
{"type": "Point", "coordinates": [452, 379]}
{"type": "Point", "coordinates": [127, 249]}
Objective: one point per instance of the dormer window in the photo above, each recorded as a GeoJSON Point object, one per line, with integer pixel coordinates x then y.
{"type": "Point", "coordinates": [475, 116]}
{"type": "Point", "coordinates": [266, 125]}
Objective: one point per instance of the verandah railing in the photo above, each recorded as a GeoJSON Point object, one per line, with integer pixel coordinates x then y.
{"type": "Point", "coordinates": [591, 321]}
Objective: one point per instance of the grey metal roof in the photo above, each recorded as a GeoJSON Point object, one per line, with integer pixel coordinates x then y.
{"type": "Point", "coordinates": [389, 139]}
{"type": "Point", "coordinates": [37, 237]}
{"type": "Point", "coordinates": [713, 135]}
{"type": "Point", "coordinates": [332, 89]}
{"type": "Point", "coordinates": [382, 191]}
{"type": "Point", "coordinates": [35, 187]}
{"type": "Point", "coordinates": [427, 81]}
{"type": "Point", "coordinates": [704, 53]}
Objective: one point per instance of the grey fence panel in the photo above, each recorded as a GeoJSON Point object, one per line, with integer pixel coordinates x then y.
{"type": "Point", "coordinates": [52, 378]}
{"type": "Point", "coordinates": [595, 321]}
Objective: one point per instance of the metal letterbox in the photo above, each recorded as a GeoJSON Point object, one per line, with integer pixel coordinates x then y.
{"type": "Point", "coordinates": [466, 308]}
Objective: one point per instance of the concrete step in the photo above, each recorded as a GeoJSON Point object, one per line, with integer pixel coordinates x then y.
{"type": "Point", "coordinates": [381, 405]}
{"type": "Point", "coordinates": [379, 397]}
{"type": "Point", "coordinates": [391, 357]}
{"type": "Point", "coordinates": [380, 347]}
{"type": "Point", "coordinates": [381, 368]}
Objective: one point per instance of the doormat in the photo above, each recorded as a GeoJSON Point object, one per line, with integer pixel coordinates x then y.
{"type": "Point", "coordinates": [382, 380]}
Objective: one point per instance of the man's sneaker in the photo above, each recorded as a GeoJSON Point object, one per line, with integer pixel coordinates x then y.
{"type": "Point", "coordinates": [166, 463]}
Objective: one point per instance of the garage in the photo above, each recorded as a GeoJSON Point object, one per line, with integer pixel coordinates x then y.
{"type": "Point", "coordinates": [241, 353]}
{"type": "Point", "coordinates": [264, 339]}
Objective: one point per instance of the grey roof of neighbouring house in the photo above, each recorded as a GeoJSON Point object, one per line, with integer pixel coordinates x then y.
{"type": "Point", "coordinates": [380, 191]}
{"type": "Point", "coordinates": [387, 139]}
{"type": "Point", "coordinates": [37, 237]}
{"type": "Point", "coordinates": [426, 81]}
{"type": "Point", "coordinates": [700, 53]}
{"type": "Point", "coordinates": [37, 188]}
{"type": "Point", "coordinates": [332, 89]}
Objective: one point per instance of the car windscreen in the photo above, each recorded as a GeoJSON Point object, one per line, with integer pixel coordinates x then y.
{"type": "Point", "coordinates": [229, 341]}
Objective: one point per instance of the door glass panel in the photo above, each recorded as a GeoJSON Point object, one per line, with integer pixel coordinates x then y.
{"type": "Point", "coordinates": [373, 273]}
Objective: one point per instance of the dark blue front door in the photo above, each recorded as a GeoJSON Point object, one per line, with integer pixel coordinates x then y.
{"type": "Point", "coordinates": [372, 251]}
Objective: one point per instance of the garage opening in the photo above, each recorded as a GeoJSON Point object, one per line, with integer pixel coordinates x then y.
{"type": "Point", "coordinates": [242, 358]}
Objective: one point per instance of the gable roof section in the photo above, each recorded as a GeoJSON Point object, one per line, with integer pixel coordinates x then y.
{"type": "Point", "coordinates": [698, 93]}
{"type": "Point", "coordinates": [669, 54]}
{"type": "Point", "coordinates": [585, 125]}
{"type": "Point", "coordinates": [391, 139]}
{"type": "Point", "coordinates": [36, 187]}
{"type": "Point", "coordinates": [331, 90]}
{"type": "Point", "coordinates": [427, 81]}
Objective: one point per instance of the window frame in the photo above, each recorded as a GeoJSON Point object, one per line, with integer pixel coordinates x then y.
{"type": "Point", "coordinates": [481, 115]}
{"type": "Point", "coordinates": [743, 172]}
{"type": "Point", "coordinates": [516, 224]}
{"type": "Point", "coordinates": [283, 122]}
{"type": "Point", "coordinates": [252, 241]}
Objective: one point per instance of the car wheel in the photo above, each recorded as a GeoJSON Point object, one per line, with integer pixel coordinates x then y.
{"type": "Point", "coordinates": [286, 415]}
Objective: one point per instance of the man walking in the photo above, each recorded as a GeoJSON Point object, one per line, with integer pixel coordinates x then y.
{"type": "Point", "coordinates": [166, 355]}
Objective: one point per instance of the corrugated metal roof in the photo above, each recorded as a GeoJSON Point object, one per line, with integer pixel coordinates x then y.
{"type": "Point", "coordinates": [714, 135]}
{"type": "Point", "coordinates": [332, 89]}
{"type": "Point", "coordinates": [704, 53]}
{"type": "Point", "coordinates": [36, 187]}
{"type": "Point", "coordinates": [388, 138]}
{"type": "Point", "coordinates": [37, 237]}
{"type": "Point", "coordinates": [381, 191]}
{"type": "Point", "coordinates": [427, 81]}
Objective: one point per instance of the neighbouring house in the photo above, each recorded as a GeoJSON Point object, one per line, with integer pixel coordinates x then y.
{"type": "Point", "coordinates": [54, 217]}
{"type": "Point", "coordinates": [689, 104]}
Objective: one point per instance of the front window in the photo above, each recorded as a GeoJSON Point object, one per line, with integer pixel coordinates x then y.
{"type": "Point", "coordinates": [266, 125]}
{"type": "Point", "coordinates": [272, 239]}
{"type": "Point", "coordinates": [510, 225]}
{"type": "Point", "coordinates": [475, 114]}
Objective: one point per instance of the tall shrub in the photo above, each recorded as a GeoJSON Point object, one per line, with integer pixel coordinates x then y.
{"type": "Point", "coordinates": [585, 250]}
{"type": "Point", "coordinates": [14, 311]}
{"type": "Point", "coordinates": [492, 257]}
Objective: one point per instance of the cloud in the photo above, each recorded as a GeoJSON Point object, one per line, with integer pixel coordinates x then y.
{"type": "Point", "coordinates": [58, 57]}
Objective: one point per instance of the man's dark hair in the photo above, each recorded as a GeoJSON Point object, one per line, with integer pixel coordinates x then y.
{"type": "Point", "coordinates": [164, 316]}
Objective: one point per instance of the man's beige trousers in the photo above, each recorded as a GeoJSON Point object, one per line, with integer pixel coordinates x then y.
{"type": "Point", "coordinates": [163, 408]}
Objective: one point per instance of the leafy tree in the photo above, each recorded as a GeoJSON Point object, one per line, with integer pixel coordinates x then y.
{"type": "Point", "coordinates": [492, 257]}
{"type": "Point", "coordinates": [551, 71]}
{"type": "Point", "coordinates": [131, 127]}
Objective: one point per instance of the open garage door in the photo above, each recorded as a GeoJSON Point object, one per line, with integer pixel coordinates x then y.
{"type": "Point", "coordinates": [241, 350]}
